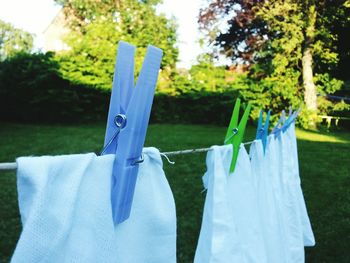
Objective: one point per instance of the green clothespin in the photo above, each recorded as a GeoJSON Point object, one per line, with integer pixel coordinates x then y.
{"type": "Point", "coordinates": [235, 132]}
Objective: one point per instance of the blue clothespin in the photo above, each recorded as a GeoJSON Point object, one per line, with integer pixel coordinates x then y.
{"type": "Point", "coordinates": [286, 123]}
{"type": "Point", "coordinates": [262, 132]}
{"type": "Point", "coordinates": [128, 117]}
{"type": "Point", "coordinates": [291, 118]}
{"type": "Point", "coordinates": [277, 129]}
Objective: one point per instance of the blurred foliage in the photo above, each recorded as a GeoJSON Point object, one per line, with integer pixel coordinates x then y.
{"type": "Point", "coordinates": [13, 40]}
{"type": "Point", "coordinates": [271, 37]}
{"type": "Point", "coordinates": [33, 90]}
{"type": "Point", "coordinates": [74, 85]}
{"type": "Point", "coordinates": [203, 77]}
{"type": "Point", "coordinates": [97, 26]}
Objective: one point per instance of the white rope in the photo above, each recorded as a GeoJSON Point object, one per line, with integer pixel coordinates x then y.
{"type": "Point", "coordinates": [167, 158]}
{"type": "Point", "coordinates": [187, 151]}
{"type": "Point", "coordinates": [8, 166]}
{"type": "Point", "coordinates": [195, 150]}
{"type": "Point", "coordinates": [13, 166]}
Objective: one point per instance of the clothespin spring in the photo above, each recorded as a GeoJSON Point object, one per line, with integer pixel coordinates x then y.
{"type": "Point", "coordinates": [139, 160]}
{"type": "Point", "coordinates": [120, 122]}
{"type": "Point", "coordinates": [234, 132]}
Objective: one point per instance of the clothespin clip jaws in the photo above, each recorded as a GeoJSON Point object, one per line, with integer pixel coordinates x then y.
{"type": "Point", "coordinates": [235, 131]}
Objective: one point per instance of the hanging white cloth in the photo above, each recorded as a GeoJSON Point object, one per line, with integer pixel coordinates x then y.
{"type": "Point", "coordinates": [218, 240]}
{"type": "Point", "coordinates": [289, 205]}
{"type": "Point", "coordinates": [244, 204]}
{"type": "Point", "coordinates": [271, 224]}
{"type": "Point", "coordinates": [308, 235]}
{"type": "Point", "coordinates": [66, 212]}
{"type": "Point", "coordinates": [230, 230]}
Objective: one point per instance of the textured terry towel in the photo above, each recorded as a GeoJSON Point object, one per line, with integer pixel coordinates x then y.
{"type": "Point", "coordinates": [230, 229]}
{"type": "Point", "coordinates": [66, 214]}
{"type": "Point", "coordinates": [308, 235]}
{"type": "Point", "coordinates": [267, 208]}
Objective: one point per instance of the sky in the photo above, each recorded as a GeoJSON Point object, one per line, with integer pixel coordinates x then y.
{"type": "Point", "coordinates": [35, 15]}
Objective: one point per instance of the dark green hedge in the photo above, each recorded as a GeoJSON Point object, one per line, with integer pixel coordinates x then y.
{"type": "Point", "coordinates": [32, 90]}
{"type": "Point", "coordinates": [195, 108]}
{"type": "Point", "coordinates": [66, 103]}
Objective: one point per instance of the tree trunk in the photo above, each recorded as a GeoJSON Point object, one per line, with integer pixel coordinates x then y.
{"type": "Point", "coordinates": [310, 91]}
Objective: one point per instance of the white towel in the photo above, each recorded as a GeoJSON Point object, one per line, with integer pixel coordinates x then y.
{"type": "Point", "coordinates": [218, 240]}
{"type": "Point", "coordinates": [290, 203]}
{"type": "Point", "coordinates": [244, 204]}
{"type": "Point", "coordinates": [271, 224]}
{"type": "Point", "coordinates": [231, 230]}
{"type": "Point", "coordinates": [66, 212]}
{"type": "Point", "coordinates": [308, 235]}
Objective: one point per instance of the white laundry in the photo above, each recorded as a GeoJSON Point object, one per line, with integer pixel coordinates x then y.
{"type": "Point", "coordinates": [271, 224]}
{"type": "Point", "coordinates": [274, 171]}
{"type": "Point", "coordinates": [66, 212]}
{"type": "Point", "coordinates": [308, 235]}
{"type": "Point", "coordinates": [218, 240]}
{"type": "Point", "coordinates": [231, 230]}
{"type": "Point", "coordinates": [289, 206]}
{"type": "Point", "coordinates": [244, 204]}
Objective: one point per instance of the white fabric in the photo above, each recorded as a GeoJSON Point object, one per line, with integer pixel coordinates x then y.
{"type": "Point", "coordinates": [291, 218]}
{"type": "Point", "coordinates": [271, 226]}
{"type": "Point", "coordinates": [308, 235]}
{"type": "Point", "coordinates": [218, 240]}
{"type": "Point", "coordinates": [231, 230]}
{"type": "Point", "coordinates": [66, 213]}
{"type": "Point", "coordinates": [243, 200]}
{"type": "Point", "coordinates": [274, 170]}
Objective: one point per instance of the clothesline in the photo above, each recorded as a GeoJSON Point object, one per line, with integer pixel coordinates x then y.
{"type": "Point", "coordinates": [13, 165]}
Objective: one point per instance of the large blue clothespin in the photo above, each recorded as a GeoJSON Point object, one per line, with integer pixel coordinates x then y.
{"type": "Point", "coordinates": [262, 131]}
{"type": "Point", "coordinates": [128, 117]}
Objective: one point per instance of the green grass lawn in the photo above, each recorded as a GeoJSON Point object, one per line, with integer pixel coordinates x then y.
{"type": "Point", "coordinates": [324, 165]}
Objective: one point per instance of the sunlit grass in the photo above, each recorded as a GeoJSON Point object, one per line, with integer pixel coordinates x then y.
{"type": "Point", "coordinates": [321, 137]}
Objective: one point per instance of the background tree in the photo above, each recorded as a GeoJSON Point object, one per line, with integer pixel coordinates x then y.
{"type": "Point", "coordinates": [291, 46]}
{"type": "Point", "coordinates": [13, 40]}
{"type": "Point", "coordinates": [97, 26]}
